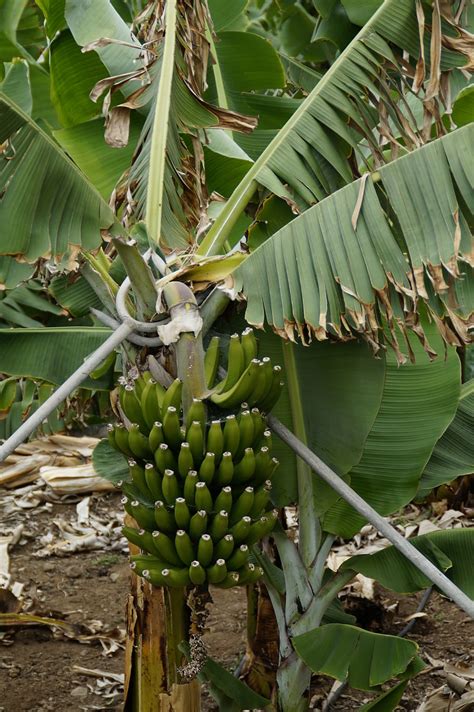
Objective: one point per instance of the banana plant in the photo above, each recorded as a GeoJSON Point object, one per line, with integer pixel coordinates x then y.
{"type": "Point", "coordinates": [354, 195]}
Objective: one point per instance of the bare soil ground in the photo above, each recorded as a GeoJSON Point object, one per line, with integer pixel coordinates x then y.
{"type": "Point", "coordinates": [39, 666]}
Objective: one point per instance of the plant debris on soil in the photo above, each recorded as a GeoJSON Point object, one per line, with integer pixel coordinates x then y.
{"type": "Point", "coordinates": [64, 578]}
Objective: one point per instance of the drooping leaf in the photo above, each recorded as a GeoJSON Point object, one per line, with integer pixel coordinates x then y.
{"type": "Point", "coordinates": [341, 265]}
{"type": "Point", "coordinates": [453, 454]}
{"type": "Point", "coordinates": [366, 659]}
{"type": "Point", "coordinates": [234, 688]}
{"type": "Point", "coordinates": [73, 292]}
{"type": "Point", "coordinates": [452, 551]}
{"type": "Point", "coordinates": [360, 11]}
{"type": "Point", "coordinates": [329, 129]}
{"type": "Point", "coordinates": [47, 206]}
{"type": "Point", "coordinates": [50, 354]}
{"type": "Point", "coordinates": [224, 13]}
{"type": "Point", "coordinates": [419, 400]}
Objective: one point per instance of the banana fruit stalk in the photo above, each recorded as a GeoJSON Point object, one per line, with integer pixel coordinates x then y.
{"type": "Point", "coordinates": [200, 488]}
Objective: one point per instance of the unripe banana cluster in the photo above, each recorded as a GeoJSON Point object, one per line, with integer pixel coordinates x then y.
{"type": "Point", "coordinates": [200, 489]}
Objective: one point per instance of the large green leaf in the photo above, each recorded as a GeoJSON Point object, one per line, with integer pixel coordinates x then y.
{"type": "Point", "coordinates": [329, 128]}
{"type": "Point", "coordinates": [418, 402]}
{"type": "Point", "coordinates": [47, 207]}
{"type": "Point", "coordinates": [258, 66]}
{"type": "Point", "coordinates": [454, 452]}
{"type": "Point", "coordinates": [73, 76]}
{"type": "Point", "coordinates": [102, 164]}
{"type": "Point", "coordinates": [452, 551]}
{"type": "Point", "coordinates": [50, 354]}
{"type": "Point", "coordinates": [13, 272]}
{"type": "Point", "coordinates": [366, 659]}
{"type": "Point", "coordinates": [341, 267]}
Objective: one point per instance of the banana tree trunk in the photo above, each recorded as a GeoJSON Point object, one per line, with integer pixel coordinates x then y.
{"type": "Point", "coordinates": [157, 621]}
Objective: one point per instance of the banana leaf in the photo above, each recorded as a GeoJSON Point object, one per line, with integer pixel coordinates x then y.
{"type": "Point", "coordinates": [453, 454]}
{"type": "Point", "coordinates": [419, 401]}
{"type": "Point", "coordinates": [51, 353]}
{"type": "Point", "coordinates": [366, 659]}
{"type": "Point", "coordinates": [452, 551]}
{"type": "Point", "coordinates": [47, 206]}
{"type": "Point", "coordinates": [110, 464]}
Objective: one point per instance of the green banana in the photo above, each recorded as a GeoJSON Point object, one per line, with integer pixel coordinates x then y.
{"type": "Point", "coordinates": [185, 460]}
{"type": "Point", "coordinates": [121, 439]}
{"type": "Point", "coordinates": [153, 481]}
{"type": "Point", "coordinates": [219, 525]}
{"type": "Point", "coordinates": [196, 573]}
{"type": "Point", "coordinates": [203, 497]}
{"type": "Point", "coordinates": [205, 550]}
{"type": "Point", "coordinates": [247, 432]}
{"type": "Point", "coordinates": [259, 426]}
{"type": "Point", "coordinates": [132, 408]}
{"type": "Point", "coordinates": [208, 468]}
{"type": "Point", "coordinates": [262, 527]}
{"type": "Point", "coordinates": [244, 470]}
{"type": "Point", "coordinates": [264, 382]}
{"type": "Point", "coordinates": [260, 501]}
{"type": "Point", "coordinates": [263, 464]}
{"type": "Point", "coordinates": [231, 579]}
{"type": "Point", "coordinates": [164, 520]}
{"type": "Point", "coordinates": [173, 396]}
{"type": "Point", "coordinates": [225, 471]}
{"type": "Point", "coordinates": [172, 428]}
{"type": "Point", "coordinates": [184, 547]}
{"type": "Point", "coordinates": [150, 402]}
{"type": "Point", "coordinates": [274, 393]}
{"type": "Point", "coordinates": [138, 478]}
{"type": "Point", "coordinates": [144, 562]}
{"type": "Point", "coordinates": [138, 443]}
{"type": "Point", "coordinates": [197, 524]}
{"type": "Point", "coordinates": [170, 487]}
{"type": "Point", "coordinates": [217, 572]}
{"type": "Point", "coordinates": [140, 538]}
{"type": "Point", "coordinates": [196, 411]}
{"type": "Point", "coordinates": [111, 437]}
{"type": "Point", "coordinates": [224, 547]}
{"type": "Point", "coordinates": [240, 391]}
{"type": "Point", "coordinates": [164, 458]}
{"type": "Point", "coordinates": [211, 361]}
{"type": "Point", "coordinates": [195, 438]}
{"type": "Point", "coordinates": [143, 515]}
{"type": "Point", "coordinates": [240, 530]}
{"type": "Point", "coordinates": [235, 365]}
{"type": "Point", "coordinates": [242, 506]}
{"type": "Point", "coordinates": [139, 381]}
{"type": "Point", "coordinates": [215, 440]}
{"type": "Point", "coordinates": [249, 345]}
{"type": "Point", "coordinates": [231, 435]}
{"type": "Point", "coordinates": [174, 578]}
{"type": "Point", "coordinates": [239, 558]}
{"type": "Point", "coordinates": [224, 500]}
{"type": "Point", "coordinates": [165, 548]}
{"type": "Point", "coordinates": [156, 436]}
{"type": "Point", "coordinates": [182, 514]}
{"type": "Point", "coordinates": [249, 573]}
{"type": "Point", "coordinates": [189, 488]}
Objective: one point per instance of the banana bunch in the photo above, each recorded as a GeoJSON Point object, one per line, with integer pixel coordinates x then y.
{"type": "Point", "coordinates": [199, 489]}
